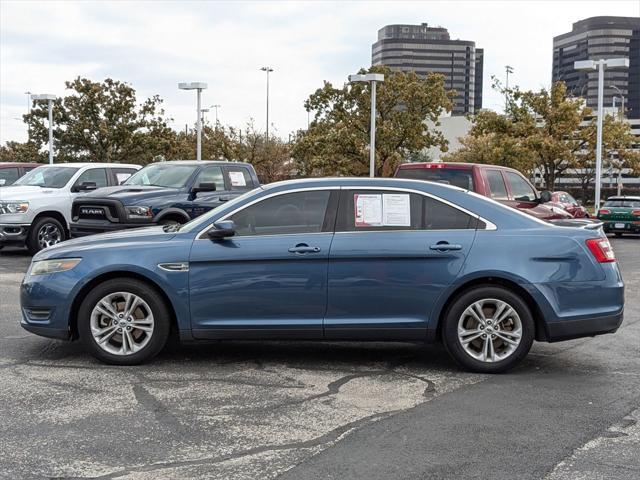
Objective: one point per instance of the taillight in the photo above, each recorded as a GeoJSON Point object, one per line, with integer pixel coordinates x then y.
{"type": "Point", "coordinates": [636, 213]}
{"type": "Point", "coordinates": [601, 249]}
{"type": "Point", "coordinates": [604, 211]}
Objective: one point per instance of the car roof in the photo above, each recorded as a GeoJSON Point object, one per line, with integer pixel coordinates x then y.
{"type": "Point", "coordinates": [359, 182]}
{"type": "Point", "coordinates": [17, 164]}
{"type": "Point", "coordinates": [624, 197]}
{"type": "Point", "coordinates": [198, 162]}
{"type": "Point", "coordinates": [452, 166]}
{"type": "Point", "coordinates": [91, 164]}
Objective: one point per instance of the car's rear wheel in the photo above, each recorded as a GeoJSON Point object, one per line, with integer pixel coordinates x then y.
{"type": "Point", "coordinates": [123, 322]}
{"type": "Point", "coordinates": [45, 232]}
{"type": "Point", "coordinates": [488, 329]}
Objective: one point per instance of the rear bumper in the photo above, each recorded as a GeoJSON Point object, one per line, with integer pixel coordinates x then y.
{"type": "Point", "coordinates": [14, 233]}
{"type": "Point", "coordinates": [585, 327]}
{"type": "Point", "coordinates": [629, 226]}
{"type": "Point", "coordinates": [82, 229]}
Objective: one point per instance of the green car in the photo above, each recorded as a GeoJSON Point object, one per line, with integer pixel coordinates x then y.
{"type": "Point", "coordinates": [621, 215]}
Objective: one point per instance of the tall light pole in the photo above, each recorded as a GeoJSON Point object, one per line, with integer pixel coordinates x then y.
{"type": "Point", "coordinates": [372, 78]}
{"type": "Point", "coordinates": [268, 70]}
{"type": "Point", "coordinates": [508, 69]}
{"type": "Point", "coordinates": [600, 65]}
{"type": "Point", "coordinates": [621, 114]}
{"type": "Point", "coordinates": [216, 108]}
{"type": "Point", "coordinates": [49, 98]}
{"type": "Point", "coordinates": [199, 86]}
{"type": "Point", "coordinates": [28, 94]}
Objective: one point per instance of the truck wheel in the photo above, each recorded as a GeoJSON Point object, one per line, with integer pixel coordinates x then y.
{"type": "Point", "coordinates": [488, 329]}
{"type": "Point", "coordinates": [123, 321]}
{"type": "Point", "coordinates": [45, 232]}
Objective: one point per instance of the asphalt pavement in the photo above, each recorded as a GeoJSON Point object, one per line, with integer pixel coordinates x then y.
{"type": "Point", "coordinates": [301, 410]}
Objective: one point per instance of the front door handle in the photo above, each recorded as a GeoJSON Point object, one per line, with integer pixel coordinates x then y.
{"type": "Point", "coordinates": [445, 247]}
{"type": "Point", "coordinates": [304, 248]}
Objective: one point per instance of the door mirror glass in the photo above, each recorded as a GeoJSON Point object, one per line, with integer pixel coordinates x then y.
{"type": "Point", "coordinates": [86, 187]}
{"type": "Point", "coordinates": [204, 187]}
{"type": "Point", "coordinates": [545, 196]}
{"type": "Point", "coordinates": [222, 229]}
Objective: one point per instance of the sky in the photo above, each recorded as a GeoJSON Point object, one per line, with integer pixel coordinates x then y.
{"type": "Point", "coordinates": [153, 45]}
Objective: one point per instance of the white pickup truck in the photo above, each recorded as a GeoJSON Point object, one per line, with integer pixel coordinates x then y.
{"type": "Point", "coordinates": [36, 210]}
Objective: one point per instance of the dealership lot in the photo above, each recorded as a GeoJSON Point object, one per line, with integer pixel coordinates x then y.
{"type": "Point", "coordinates": [303, 410]}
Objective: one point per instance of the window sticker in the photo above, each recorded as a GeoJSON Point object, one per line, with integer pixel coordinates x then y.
{"type": "Point", "coordinates": [368, 210]}
{"type": "Point", "coordinates": [237, 179]}
{"type": "Point", "coordinates": [396, 210]}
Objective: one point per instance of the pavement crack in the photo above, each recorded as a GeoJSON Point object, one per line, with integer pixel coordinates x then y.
{"type": "Point", "coordinates": [159, 410]}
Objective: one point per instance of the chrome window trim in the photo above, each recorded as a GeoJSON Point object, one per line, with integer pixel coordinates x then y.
{"type": "Point", "coordinates": [488, 225]}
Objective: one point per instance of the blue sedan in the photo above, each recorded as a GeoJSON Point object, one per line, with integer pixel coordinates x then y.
{"type": "Point", "coordinates": [332, 259]}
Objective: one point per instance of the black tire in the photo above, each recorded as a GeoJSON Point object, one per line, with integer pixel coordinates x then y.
{"type": "Point", "coordinates": [457, 308]}
{"type": "Point", "coordinates": [153, 299]}
{"type": "Point", "coordinates": [34, 241]}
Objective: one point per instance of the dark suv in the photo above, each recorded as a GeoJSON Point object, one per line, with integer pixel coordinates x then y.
{"type": "Point", "coordinates": [161, 194]}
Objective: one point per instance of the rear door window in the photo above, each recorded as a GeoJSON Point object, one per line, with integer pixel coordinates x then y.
{"type": "Point", "coordinates": [497, 187]}
{"type": "Point", "coordinates": [239, 178]}
{"type": "Point", "coordinates": [8, 175]}
{"type": "Point", "coordinates": [521, 190]}
{"type": "Point", "coordinates": [95, 175]}
{"type": "Point", "coordinates": [448, 176]}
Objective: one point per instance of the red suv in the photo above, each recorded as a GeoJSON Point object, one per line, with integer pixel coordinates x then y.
{"type": "Point", "coordinates": [12, 171]}
{"type": "Point", "coordinates": [503, 184]}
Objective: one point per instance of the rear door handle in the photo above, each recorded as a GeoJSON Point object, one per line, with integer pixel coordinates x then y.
{"type": "Point", "coordinates": [304, 248]}
{"type": "Point", "coordinates": [445, 247]}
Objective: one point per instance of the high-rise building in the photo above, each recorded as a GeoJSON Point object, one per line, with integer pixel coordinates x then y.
{"type": "Point", "coordinates": [595, 38]}
{"type": "Point", "coordinates": [424, 49]}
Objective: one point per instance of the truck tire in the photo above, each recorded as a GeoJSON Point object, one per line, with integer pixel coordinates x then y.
{"type": "Point", "coordinates": [45, 232]}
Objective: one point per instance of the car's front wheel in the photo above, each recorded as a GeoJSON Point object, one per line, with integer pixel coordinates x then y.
{"type": "Point", "coordinates": [488, 329]}
{"type": "Point", "coordinates": [123, 322]}
{"type": "Point", "coordinates": [45, 232]}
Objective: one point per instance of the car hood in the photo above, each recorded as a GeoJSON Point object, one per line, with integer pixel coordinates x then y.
{"type": "Point", "coordinates": [26, 192]}
{"type": "Point", "coordinates": [120, 239]}
{"type": "Point", "coordinates": [130, 194]}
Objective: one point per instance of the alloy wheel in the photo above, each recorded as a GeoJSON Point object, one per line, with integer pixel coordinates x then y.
{"type": "Point", "coordinates": [489, 330]}
{"type": "Point", "coordinates": [122, 323]}
{"type": "Point", "coordinates": [49, 234]}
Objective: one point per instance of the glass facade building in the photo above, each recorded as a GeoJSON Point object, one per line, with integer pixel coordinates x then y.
{"type": "Point", "coordinates": [595, 38]}
{"type": "Point", "coordinates": [424, 49]}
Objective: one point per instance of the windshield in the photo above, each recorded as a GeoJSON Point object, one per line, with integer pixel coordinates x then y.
{"type": "Point", "coordinates": [162, 175]}
{"type": "Point", "coordinates": [48, 177]}
{"type": "Point", "coordinates": [205, 218]}
{"type": "Point", "coordinates": [458, 178]}
{"type": "Point", "coordinates": [622, 203]}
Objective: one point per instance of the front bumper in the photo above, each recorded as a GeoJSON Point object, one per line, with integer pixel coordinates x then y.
{"type": "Point", "coordinates": [14, 233]}
{"type": "Point", "coordinates": [85, 228]}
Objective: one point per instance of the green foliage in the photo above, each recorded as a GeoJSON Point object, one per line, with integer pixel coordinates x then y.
{"type": "Point", "coordinates": [337, 141]}
{"type": "Point", "coordinates": [102, 122]}
{"type": "Point", "coordinates": [21, 152]}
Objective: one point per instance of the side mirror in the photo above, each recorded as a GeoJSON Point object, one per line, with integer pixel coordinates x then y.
{"type": "Point", "coordinates": [85, 187]}
{"type": "Point", "coordinates": [545, 196]}
{"type": "Point", "coordinates": [204, 187]}
{"type": "Point", "coordinates": [223, 229]}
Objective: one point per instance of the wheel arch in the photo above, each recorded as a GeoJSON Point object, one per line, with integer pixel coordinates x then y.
{"type": "Point", "coordinates": [52, 214]}
{"type": "Point", "coordinates": [173, 214]}
{"type": "Point", "coordinates": [498, 281]}
{"type": "Point", "coordinates": [81, 294]}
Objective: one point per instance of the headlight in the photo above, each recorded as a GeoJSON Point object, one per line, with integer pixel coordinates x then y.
{"type": "Point", "coordinates": [139, 212]}
{"type": "Point", "coordinates": [45, 267]}
{"type": "Point", "coordinates": [14, 207]}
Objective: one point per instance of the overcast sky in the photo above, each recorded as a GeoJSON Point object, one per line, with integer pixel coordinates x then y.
{"type": "Point", "coordinates": [154, 45]}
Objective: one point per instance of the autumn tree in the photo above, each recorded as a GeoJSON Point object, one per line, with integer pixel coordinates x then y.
{"type": "Point", "coordinates": [337, 141]}
{"type": "Point", "coordinates": [21, 152]}
{"type": "Point", "coordinates": [103, 122]}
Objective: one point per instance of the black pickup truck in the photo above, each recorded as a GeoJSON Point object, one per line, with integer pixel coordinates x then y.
{"type": "Point", "coordinates": [161, 194]}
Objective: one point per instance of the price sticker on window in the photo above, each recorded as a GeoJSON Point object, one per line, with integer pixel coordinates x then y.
{"type": "Point", "coordinates": [237, 179]}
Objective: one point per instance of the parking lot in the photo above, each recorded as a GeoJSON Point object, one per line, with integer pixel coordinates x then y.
{"type": "Point", "coordinates": [245, 410]}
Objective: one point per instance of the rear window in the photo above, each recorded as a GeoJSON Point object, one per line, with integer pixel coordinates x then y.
{"type": "Point", "coordinates": [622, 203]}
{"type": "Point", "coordinates": [458, 178]}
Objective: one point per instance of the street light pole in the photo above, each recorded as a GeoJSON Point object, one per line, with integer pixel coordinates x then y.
{"type": "Point", "coordinates": [216, 107]}
{"type": "Point", "coordinates": [508, 69]}
{"type": "Point", "coordinates": [621, 114]}
{"type": "Point", "coordinates": [267, 70]}
{"type": "Point", "coordinates": [372, 78]}
{"type": "Point", "coordinates": [49, 99]}
{"type": "Point", "coordinates": [28, 94]}
{"type": "Point", "coordinates": [600, 65]}
{"type": "Point", "coordinates": [198, 86]}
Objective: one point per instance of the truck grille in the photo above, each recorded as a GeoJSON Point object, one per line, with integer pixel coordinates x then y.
{"type": "Point", "coordinates": [98, 209]}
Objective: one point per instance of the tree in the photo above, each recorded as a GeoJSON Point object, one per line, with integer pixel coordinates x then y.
{"type": "Point", "coordinates": [102, 122]}
{"type": "Point", "coordinates": [271, 159]}
{"type": "Point", "coordinates": [20, 152]}
{"type": "Point", "coordinates": [337, 140]}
